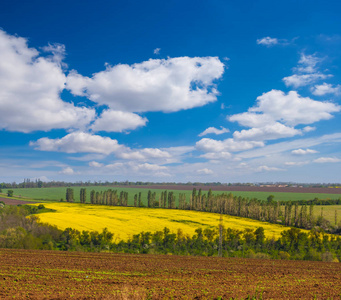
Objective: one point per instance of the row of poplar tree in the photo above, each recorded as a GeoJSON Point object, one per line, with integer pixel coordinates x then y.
{"type": "Point", "coordinates": [286, 213]}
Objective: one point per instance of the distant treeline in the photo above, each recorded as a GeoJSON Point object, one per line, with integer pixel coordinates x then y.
{"type": "Point", "coordinates": [298, 214]}
{"type": "Point", "coordinates": [19, 229]}
{"type": "Point", "coordinates": [28, 183]}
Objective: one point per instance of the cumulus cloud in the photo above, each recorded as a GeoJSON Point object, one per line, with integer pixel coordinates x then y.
{"type": "Point", "coordinates": [303, 152]}
{"type": "Point", "coordinates": [326, 88]}
{"type": "Point", "coordinates": [292, 109]}
{"type": "Point", "coordinates": [166, 85]}
{"type": "Point", "coordinates": [276, 113]}
{"type": "Point", "coordinates": [228, 145]}
{"type": "Point", "coordinates": [143, 154]}
{"type": "Point", "coordinates": [138, 168]}
{"type": "Point", "coordinates": [296, 163]}
{"type": "Point", "coordinates": [306, 72]}
{"type": "Point", "coordinates": [95, 164]}
{"type": "Point", "coordinates": [322, 160]}
{"type": "Point", "coordinates": [213, 130]}
{"type": "Point", "coordinates": [79, 142]}
{"type": "Point", "coordinates": [298, 80]}
{"type": "Point", "coordinates": [216, 155]}
{"type": "Point", "coordinates": [205, 171]}
{"type": "Point", "coordinates": [118, 121]}
{"type": "Point", "coordinates": [249, 119]}
{"type": "Point", "coordinates": [150, 167]}
{"type": "Point", "coordinates": [308, 63]}
{"type": "Point", "coordinates": [268, 41]}
{"type": "Point", "coordinates": [58, 53]}
{"type": "Point", "coordinates": [67, 171]}
{"type": "Point", "coordinates": [30, 87]}
{"type": "Point", "coordinates": [308, 128]}
{"type": "Point", "coordinates": [268, 132]}
{"type": "Point", "coordinates": [266, 168]}
{"type": "Point", "coordinates": [82, 142]}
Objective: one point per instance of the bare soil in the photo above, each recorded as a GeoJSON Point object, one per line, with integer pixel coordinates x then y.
{"type": "Point", "coordinates": [26, 274]}
{"type": "Point", "coordinates": [8, 201]}
{"type": "Point", "coordinates": [224, 188]}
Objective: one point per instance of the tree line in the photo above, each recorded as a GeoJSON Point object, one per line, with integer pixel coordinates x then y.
{"type": "Point", "coordinates": [288, 213]}
{"type": "Point", "coordinates": [20, 229]}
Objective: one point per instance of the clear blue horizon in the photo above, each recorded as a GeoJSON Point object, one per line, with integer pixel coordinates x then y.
{"type": "Point", "coordinates": [170, 92]}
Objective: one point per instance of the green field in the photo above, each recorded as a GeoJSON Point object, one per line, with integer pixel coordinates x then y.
{"type": "Point", "coordinates": [58, 193]}
{"type": "Point", "coordinates": [328, 212]}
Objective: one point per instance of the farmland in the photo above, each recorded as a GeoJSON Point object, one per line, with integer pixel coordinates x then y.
{"type": "Point", "coordinates": [127, 221]}
{"type": "Point", "coordinates": [65, 275]}
{"type": "Point", "coordinates": [328, 212]}
{"type": "Point", "coordinates": [281, 194]}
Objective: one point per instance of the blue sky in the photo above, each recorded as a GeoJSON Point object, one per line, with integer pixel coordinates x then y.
{"type": "Point", "coordinates": [229, 91]}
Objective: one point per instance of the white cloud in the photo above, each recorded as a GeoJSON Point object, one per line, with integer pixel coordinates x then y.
{"type": "Point", "coordinates": [150, 167]}
{"type": "Point", "coordinates": [166, 85]}
{"type": "Point", "coordinates": [67, 171]}
{"type": "Point", "coordinates": [180, 150]}
{"type": "Point", "coordinates": [327, 160]}
{"type": "Point", "coordinates": [266, 168]}
{"type": "Point", "coordinates": [278, 148]}
{"type": "Point", "coordinates": [303, 152]}
{"type": "Point", "coordinates": [268, 132]}
{"type": "Point", "coordinates": [292, 109]}
{"type": "Point", "coordinates": [86, 157]}
{"type": "Point", "coordinates": [228, 145]}
{"type": "Point", "coordinates": [276, 113]}
{"type": "Point", "coordinates": [216, 155]}
{"type": "Point", "coordinates": [58, 53]}
{"type": "Point", "coordinates": [95, 164]}
{"type": "Point", "coordinates": [307, 63]}
{"type": "Point", "coordinates": [249, 119]}
{"type": "Point", "coordinates": [146, 153]}
{"type": "Point", "coordinates": [308, 129]}
{"type": "Point", "coordinates": [157, 51]}
{"type": "Point", "coordinates": [268, 41]}
{"type": "Point", "coordinates": [326, 88]}
{"type": "Point", "coordinates": [298, 80]}
{"type": "Point", "coordinates": [30, 87]}
{"type": "Point", "coordinates": [79, 142]}
{"type": "Point", "coordinates": [306, 72]}
{"type": "Point", "coordinates": [118, 121]}
{"type": "Point", "coordinates": [205, 171]}
{"type": "Point", "coordinates": [213, 130]}
{"type": "Point", "coordinates": [296, 163]}
{"type": "Point", "coordinates": [138, 169]}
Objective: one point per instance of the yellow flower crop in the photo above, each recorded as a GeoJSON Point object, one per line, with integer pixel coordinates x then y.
{"type": "Point", "coordinates": [124, 222]}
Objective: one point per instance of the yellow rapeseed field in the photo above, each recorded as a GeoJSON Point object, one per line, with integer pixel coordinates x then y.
{"type": "Point", "coordinates": [127, 221]}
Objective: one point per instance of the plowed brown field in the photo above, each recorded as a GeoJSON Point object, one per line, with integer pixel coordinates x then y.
{"type": "Point", "coordinates": [71, 275]}
{"type": "Point", "coordinates": [9, 201]}
{"type": "Point", "coordinates": [237, 188]}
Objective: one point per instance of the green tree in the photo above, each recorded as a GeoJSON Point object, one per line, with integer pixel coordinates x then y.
{"type": "Point", "coordinates": [149, 197]}
{"type": "Point", "coordinates": [139, 201]}
{"type": "Point", "coordinates": [69, 195]}
{"type": "Point", "coordinates": [92, 196]}
{"type": "Point", "coordinates": [10, 193]}
{"type": "Point", "coordinates": [82, 195]}
{"type": "Point", "coordinates": [270, 199]}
